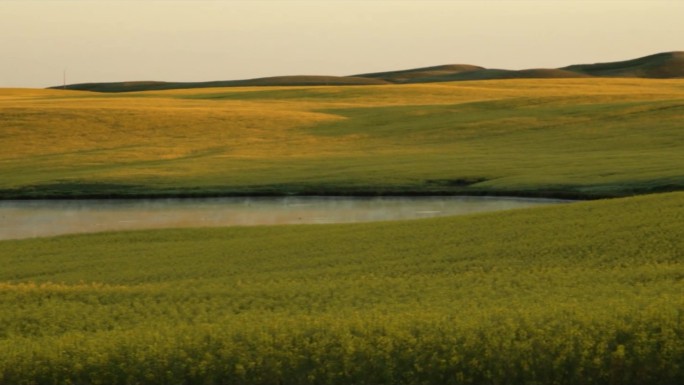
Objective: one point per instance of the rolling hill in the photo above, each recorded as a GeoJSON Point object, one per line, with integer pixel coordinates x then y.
{"type": "Point", "coordinates": [658, 66]}
{"type": "Point", "coordinates": [662, 65]}
{"type": "Point", "coordinates": [413, 75]}
{"type": "Point", "coordinates": [495, 74]}
{"type": "Point", "coordinates": [299, 80]}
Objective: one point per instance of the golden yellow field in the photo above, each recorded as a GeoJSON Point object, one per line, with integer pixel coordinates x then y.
{"type": "Point", "coordinates": [596, 137]}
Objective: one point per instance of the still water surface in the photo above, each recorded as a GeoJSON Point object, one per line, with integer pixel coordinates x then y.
{"type": "Point", "coordinates": [26, 219]}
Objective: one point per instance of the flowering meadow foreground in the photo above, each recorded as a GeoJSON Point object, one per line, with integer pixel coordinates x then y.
{"type": "Point", "coordinates": [584, 293]}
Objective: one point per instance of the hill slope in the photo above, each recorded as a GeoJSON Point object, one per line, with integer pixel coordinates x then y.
{"type": "Point", "coordinates": [662, 65]}
{"type": "Point", "coordinates": [493, 74]}
{"type": "Point", "coordinates": [406, 76]}
{"type": "Point", "coordinates": [301, 80]}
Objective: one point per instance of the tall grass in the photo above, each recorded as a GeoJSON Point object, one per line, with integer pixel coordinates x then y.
{"type": "Point", "coordinates": [588, 293]}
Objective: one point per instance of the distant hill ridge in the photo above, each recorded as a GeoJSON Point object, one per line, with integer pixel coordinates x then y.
{"type": "Point", "coordinates": [659, 66]}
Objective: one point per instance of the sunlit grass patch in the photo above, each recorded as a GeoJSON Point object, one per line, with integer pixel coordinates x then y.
{"type": "Point", "coordinates": [578, 137]}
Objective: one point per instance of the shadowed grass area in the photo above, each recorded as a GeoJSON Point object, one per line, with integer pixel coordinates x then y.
{"type": "Point", "coordinates": [585, 293]}
{"type": "Point", "coordinates": [571, 138]}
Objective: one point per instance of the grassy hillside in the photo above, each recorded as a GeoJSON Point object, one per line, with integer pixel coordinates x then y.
{"type": "Point", "coordinates": [490, 74]}
{"type": "Point", "coordinates": [587, 293]}
{"type": "Point", "coordinates": [302, 80]}
{"type": "Point", "coordinates": [662, 65]}
{"type": "Point", "coordinates": [415, 74]}
{"type": "Point", "coordinates": [658, 66]}
{"type": "Point", "coordinates": [565, 137]}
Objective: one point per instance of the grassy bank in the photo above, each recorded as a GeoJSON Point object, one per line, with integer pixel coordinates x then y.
{"type": "Point", "coordinates": [579, 138]}
{"type": "Point", "coordinates": [588, 293]}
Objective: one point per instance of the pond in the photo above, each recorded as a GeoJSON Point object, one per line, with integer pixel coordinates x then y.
{"type": "Point", "coordinates": [38, 218]}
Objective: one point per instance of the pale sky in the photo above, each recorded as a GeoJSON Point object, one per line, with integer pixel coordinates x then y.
{"type": "Point", "coordinates": [107, 40]}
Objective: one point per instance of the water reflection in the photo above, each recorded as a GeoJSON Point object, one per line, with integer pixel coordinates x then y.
{"type": "Point", "coordinates": [25, 219]}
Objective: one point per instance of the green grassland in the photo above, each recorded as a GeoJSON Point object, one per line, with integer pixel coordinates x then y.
{"type": "Point", "coordinates": [584, 293]}
{"type": "Point", "coordinates": [582, 138]}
